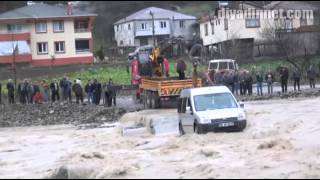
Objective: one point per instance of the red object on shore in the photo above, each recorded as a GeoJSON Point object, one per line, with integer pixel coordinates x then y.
{"type": "Point", "coordinates": [38, 98]}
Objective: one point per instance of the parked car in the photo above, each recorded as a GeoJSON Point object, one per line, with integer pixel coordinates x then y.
{"type": "Point", "coordinates": [208, 109]}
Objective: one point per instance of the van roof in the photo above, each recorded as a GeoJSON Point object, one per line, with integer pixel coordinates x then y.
{"type": "Point", "coordinates": [204, 90]}
{"type": "Point", "coordinates": [222, 60]}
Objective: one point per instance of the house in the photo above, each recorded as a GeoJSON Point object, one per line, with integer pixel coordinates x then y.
{"type": "Point", "coordinates": [214, 31]}
{"type": "Point", "coordinates": [46, 35]}
{"type": "Point", "coordinates": [137, 29]}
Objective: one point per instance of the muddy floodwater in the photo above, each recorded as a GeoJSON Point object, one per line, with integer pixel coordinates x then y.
{"type": "Point", "coordinates": [281, 141]}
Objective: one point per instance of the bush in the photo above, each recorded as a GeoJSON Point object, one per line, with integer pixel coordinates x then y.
{"type": "Point", "coordinates": [99, 53]}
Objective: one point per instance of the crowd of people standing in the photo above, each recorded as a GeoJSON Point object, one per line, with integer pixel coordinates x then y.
{"type": "Point", "coordinates": [241, 84]}
{"type": "Point", "coordinates": [29, 93]}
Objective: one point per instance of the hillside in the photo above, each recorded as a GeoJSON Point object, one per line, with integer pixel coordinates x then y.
{"type": "Point", "coordinates": [111, 11]}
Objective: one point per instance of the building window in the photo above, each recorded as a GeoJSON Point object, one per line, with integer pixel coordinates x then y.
{"type": "Point", "coordinates": [82, 45]}
{"type": "Point", "coordinates": [81, 26]}
{"type": "Point", "coordinates": [163, 24]}
{"type": "Point", "coordinates": [252, 23]}
{"type": "Point", "coordinates": [129, 26]}
{"type": "Point", "coordinates": [41, 27]}
{"type": "Point", "coordinates": [42, 47]}
{"type": "Point", "coordinates": [206, 29]}
{"type": "Point", "coordinates": [59, 47]}
{"type": "Point", "coordinates": [14, 28]}
{"type": "Point", "coordinates": [212, 28]}
{"type": "Point", "coordinates": [143, 26]}
{"type": "Point", "coordinates": [58, 26]}
{"type": "Point", "coordinates": [117, 27]}
{"type": "Point", "coordinates": [181, 24]}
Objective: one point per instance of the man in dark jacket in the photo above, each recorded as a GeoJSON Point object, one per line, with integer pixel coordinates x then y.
{"type": "Point", "coordinates": [98, 93]}
{"type": "Point", "coordinates": [296, 78]}
{"type": "Point", "coordinates": [249, 83]}
{"type": "Point", "coordinates": [112, 93]}
{"type": "Point", "coordinates": [312, 76]}
{"type": "Point", "coordinates": [93, 90]}
{"type": "Point", "coordinates": [24, 92]}
{"type": "Point", "coordinates": [78, 91]}
{"type": "Point", "coordinates": [10, 88]}
{"type": "Point", "coordinates": [236, 83]}
{"type": "Point", "coordinates": [181, 68]}
{"type": "Point", "coordinates": [87, 89]}
{"type": "Point", "coordinates": [54, 86]}
{"type": "Point", "coordinates": [259, 84]}
{"type": "Point", "coordinates": [66, 89]}
{"type": "Point", "coordinates": [284, 75]}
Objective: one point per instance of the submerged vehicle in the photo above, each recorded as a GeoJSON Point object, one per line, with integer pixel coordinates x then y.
{"type": "Point", "coordinates": [210, 108]}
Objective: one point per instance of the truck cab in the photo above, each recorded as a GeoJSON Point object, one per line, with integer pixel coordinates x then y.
{"type": "Point", "coordinates": [208, 109]}
{"type": "Point", "coordinates": [222, 64]}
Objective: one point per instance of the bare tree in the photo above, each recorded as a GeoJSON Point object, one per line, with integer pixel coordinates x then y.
{"type": "Point", "coordinates": [292, 45]}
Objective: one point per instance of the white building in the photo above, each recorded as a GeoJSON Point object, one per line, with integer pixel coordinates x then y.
{"type": "Point", "coordinates": [214, 31]}
{"type": "Point", "coordinates": [137, 29]}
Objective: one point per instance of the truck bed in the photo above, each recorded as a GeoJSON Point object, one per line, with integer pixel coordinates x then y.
{"type": "Point", "coordinates": [167, 86]}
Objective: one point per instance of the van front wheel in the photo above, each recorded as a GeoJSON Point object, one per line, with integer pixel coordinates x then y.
{"type": "Point", "coordinates": [198, 129]}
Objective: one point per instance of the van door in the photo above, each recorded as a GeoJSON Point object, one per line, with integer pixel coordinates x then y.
{"type": "Point", "coordinates": [186, 115]}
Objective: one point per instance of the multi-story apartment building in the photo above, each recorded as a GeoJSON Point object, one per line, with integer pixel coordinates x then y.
{"type": "Point", "coordinates": [46, 35]}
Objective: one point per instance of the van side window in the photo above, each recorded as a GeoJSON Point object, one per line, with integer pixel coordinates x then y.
{"type": "Point", "coordinates": [189, 104]}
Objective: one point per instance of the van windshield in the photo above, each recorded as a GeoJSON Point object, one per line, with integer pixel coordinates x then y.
{"type": "Point", "coordinates": [213, 66]}
{"type": "Point", "coordinates": [214, 101]}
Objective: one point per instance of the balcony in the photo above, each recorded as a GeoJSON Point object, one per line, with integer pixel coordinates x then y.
{"type": "Point", "coordinates": [148, 32]}
{"type": "Point", "coordinates": [81, 30]}
{"type": "Point", "coordinates": [14, 36]}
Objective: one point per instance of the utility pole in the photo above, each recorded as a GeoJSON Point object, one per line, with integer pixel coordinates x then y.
{"type": "Point", "coordinates": [154, 40]}
{"type": "Point", "coordinates": [14, 60]}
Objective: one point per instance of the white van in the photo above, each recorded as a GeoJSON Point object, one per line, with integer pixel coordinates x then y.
{"type": "Point", "coordinates": [222, 64]}
{"type": "Point", "coordinates": [210, 108]}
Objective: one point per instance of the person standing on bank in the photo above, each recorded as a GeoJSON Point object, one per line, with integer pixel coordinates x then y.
{"type": "Point", "coordinates": [269, 80]}
{"type": "Point", "coordinates": [296, 78]}
{"type": "Point", "coordinates": [10, 88]}
{"type": "Point", "coordinates": [181, 68]}
{"type": "Point", "coordinates": [259, 84]}
{"type": "Point", "coordinates": [312, 76]}
{"type": "Point", "coordinates": [112, 94]}
{"type": "Point", "coordinates": [46, 91]}
{"type": "Point", "coordinates": [54, 86]}
{"type": "Point", "coordinates": [284, 76]}
{"type": "Point", "coordinates": [78, 91]}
